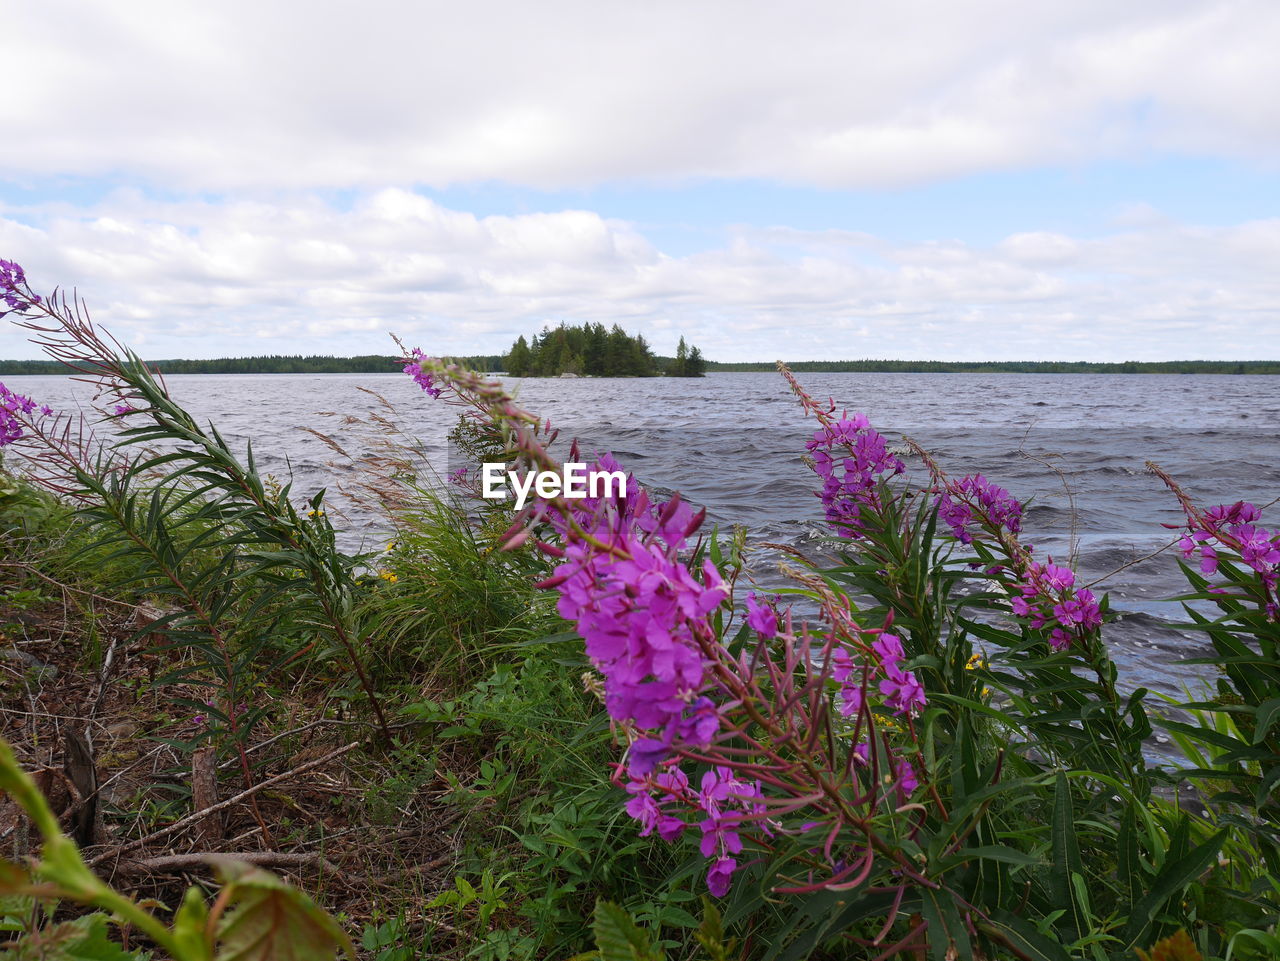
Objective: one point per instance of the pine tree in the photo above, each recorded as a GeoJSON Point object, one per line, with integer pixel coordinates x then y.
{"type": "Point", "coordinates": [681, 367]}
{"type": "Point", "coordinates": [696, 366]}
{"type": "Point", "coordinates": [520, 358]}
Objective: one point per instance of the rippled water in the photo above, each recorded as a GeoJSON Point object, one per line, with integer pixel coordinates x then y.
{"type": "Point", "coordinates": [1073, 445]}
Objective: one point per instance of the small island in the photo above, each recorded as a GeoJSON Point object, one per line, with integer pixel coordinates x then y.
{"type": "Point", "coordinates": [592, 350]}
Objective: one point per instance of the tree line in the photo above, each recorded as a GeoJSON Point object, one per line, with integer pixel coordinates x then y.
{"type": "Point", "coordinates": [632, 357]}
{"type": "Point", "coordinates": [1012, 367]}
{"type": "Point", "coordinates": [267, 364]}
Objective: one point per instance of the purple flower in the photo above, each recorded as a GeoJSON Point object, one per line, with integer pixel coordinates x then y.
{"type": "Point", "coordinates": [1208, 560]}
{"type": "Point", "coordinates": [907, 780]}
{"type": "Point", "coordinates": [903, 691]}
{"type": "Point", "coordinates": [421, 377]}
{"type": "Point", "coordinates": [995, 506]}
{"type": "Point", "coordinates": [1233, 526]}
{"type": "Point", "coordinates": [13, 409]}
{"type": "Point", "coordinates": [888, 648]}
{"type": "Point", "coordinates": [720, 876]}
{"type": "Point", "coordinates": [650, 811]}
{"type": "Point", "coordinates": [762, 618]}
{"type": "Point", "coordinates": [851, 699]}
{"type": "Point", "coordinates": [1048, 600]}
{"type": "Point", "coordinates": [700, 724]}
{"type": "Point", "coordinates": [1257, 549]}
{"type": "Point", "coordinates": [14, 290]}
{"type": "Point", "coordinates": [849, 482]}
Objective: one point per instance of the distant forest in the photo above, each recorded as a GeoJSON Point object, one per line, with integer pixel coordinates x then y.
{"type": "Point", "coordinates": [274, 364]}
{"type": "Point", "coordinates": [1015, 367]}
{"type": "Point", "coordinates": [592, 350]}
{"type": "Point", "coordinates": [377, 364]}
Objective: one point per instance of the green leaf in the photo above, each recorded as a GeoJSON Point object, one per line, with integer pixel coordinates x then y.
{"type": "Point", "coordinates": [1266, 716]}
{"type": "Point", "coordinates": [1171, 880]}
{"type": "Point", "coordinates": [271, 921]}
{"type": "Point", "coordinates": [1128, 865]}
{"type": "Point", "coordinates": [84, 939]}
{"type": "Point", "coordinates": [948, 938]}
{"type": "Point", "coordinates": [618, 938]}
{"type": "Point", "coordinates": [189, 927]}
{"type": "Point", "coordinates": [710, 933]}
{"type": "Point", "coordinates": [988, 852]}
{"type": "Point", "coordinates": [1023, 938]}
{"type": "Point", "coordinates": [1066, 856]}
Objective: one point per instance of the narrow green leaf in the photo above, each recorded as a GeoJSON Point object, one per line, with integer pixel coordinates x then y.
{"type": "Point", "coordinates": [1171, 880]}
{"type": "Point", "coordinates": [1023, 938]}
{"type": "Point", "coordinates": [1267, 714]}
{"type": "Point", "coordinates": [1066, 856]}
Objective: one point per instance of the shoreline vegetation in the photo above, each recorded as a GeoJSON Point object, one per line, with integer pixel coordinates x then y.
{"type": "Point", "coordinates": [591, 350]}
{"type": "Point", "coordinates": [498, 363]}
{"type": "Point", "coordinates": [581, 730]}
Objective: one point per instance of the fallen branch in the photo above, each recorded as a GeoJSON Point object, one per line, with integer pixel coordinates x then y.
{"type": "Point", "coordinates": [184, 862]}
{"type": "Point", "coordinates": [221, 805]}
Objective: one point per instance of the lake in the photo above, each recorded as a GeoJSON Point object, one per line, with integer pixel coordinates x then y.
{"type": "Point", "coordinates": [1072, 445]}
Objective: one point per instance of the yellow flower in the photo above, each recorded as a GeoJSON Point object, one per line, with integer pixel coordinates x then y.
{"type": "Point", "coordinates": [315, 513]}
{"type": "Point", "coordinates": [388, 576]}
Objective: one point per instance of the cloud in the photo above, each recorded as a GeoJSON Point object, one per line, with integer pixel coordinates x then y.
{"type": "Point", "coordinates": [242, 95]}
{"type": "Point", "coordinates": [189, 278]}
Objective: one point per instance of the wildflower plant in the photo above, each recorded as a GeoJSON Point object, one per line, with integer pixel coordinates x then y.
{"type": "Point", "coordinates": [837, 758]}
{"type": "Point", "coordinates": [1233, 601]}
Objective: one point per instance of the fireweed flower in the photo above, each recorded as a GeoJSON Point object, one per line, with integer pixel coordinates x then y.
{"type": "Point", "coordinates": [13, 409]}
{"type": "Point", "coordinates": [971, 501]}
{"type": "Point", "coordinates": [421, 377]}
{"type": "Point", "coordinates": [14, 291]}
{"type": "Point", "coordinates": [1049, 599]}
{"type": "Point", "coordinates": [1233, 527]}
{"type": "Point", "coordinates": [850, 457]}
{"type": "Point", "coordinates": [762, 618]}
{"type": "Point", "coordinates": [1047, 595]}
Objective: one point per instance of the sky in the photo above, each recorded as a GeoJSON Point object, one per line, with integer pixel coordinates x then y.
{"type": "Point", "coordinates": [923, 179]}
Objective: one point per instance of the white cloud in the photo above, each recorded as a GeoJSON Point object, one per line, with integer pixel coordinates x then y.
{"type": "Point", "coordinates": [245, 95]}
{"type": "Point", "coordinates": [195, 279]}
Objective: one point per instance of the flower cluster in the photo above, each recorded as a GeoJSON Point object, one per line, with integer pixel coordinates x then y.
{"type": "Point", "coordinates": [1234, 527]}
{"type": "Point", "coordinates": [12, 407]}
{"type": "Point", "coordinates": [1049, 597]}
{"type": "Point", "coordinates": [722, 804]}
{"type": "Point", "coordinates": [14, 291]}
{"type": "Point", "coordinates": [849, 482]}
{"type": "Point", "coordinates": [902, 690]}
{"type": "Point", "coordinates": [421, 377]}
{"type": "Point", "coordinates": [643, 615]}
{"type": "Point", "coordinates": [641, 612]}
{"type": "Point", "coordinates": [973, 500]}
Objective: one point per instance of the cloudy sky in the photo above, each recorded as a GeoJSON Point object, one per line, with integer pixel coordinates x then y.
{"type": "Point", "coordinates": [917, 179]}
